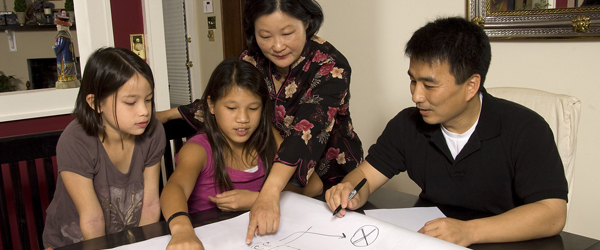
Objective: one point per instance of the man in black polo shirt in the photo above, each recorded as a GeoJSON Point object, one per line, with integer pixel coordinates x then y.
{"type": "Point", "coordinates": [464, 147]}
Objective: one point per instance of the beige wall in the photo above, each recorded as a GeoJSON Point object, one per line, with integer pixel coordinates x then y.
{"type": "Point", "coordinates": [372, 35]}
{"type": "Point", "coordinates": [30, 44]}
{"type": "Point", "coordinates": [210, 52]}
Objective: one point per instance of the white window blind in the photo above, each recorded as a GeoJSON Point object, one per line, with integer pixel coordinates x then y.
{"type": "Point", "coordinates": [177, 52]}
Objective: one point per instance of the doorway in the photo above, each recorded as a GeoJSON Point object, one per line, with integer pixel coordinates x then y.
{"type": "Point", "coordinates": [234, 37]}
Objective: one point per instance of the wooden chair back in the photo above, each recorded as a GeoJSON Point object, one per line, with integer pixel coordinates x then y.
{"type": "Point", "coordinates": [177, 132]}
{"type": "Point", "coordinates": [27, 183]}
{"type": "Point", "coordinates": [28, 180]}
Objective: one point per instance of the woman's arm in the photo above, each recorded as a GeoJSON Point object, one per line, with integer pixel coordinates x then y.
{"type": "Point", "coordinates": [151, 204]}
{"type": "Point", "coordinates": [264, 214]}
{"type": "Point", "coordinates": [278, 138]}
{"type": "Point", "coordinates": [167, 115]}
{"type": "Point", "coordinates": [309, 125]}
{"type": "Point", "coordinates": [83, 194]}
{"type": "Point", "coordinates": [314, 186]}
{"type": "Point", "coordinates": [190, 162]}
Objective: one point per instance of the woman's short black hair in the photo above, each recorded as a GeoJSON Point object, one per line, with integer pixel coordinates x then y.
{"type": "Point", "coordinates": [307, 11]}
{"type": "Point", "coordinates": [461, 43]}
{"type": "Point", "coordinates": [105, 72]}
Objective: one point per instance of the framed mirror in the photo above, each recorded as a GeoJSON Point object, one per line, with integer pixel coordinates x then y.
{"type": "Point", "coordinates": [509, 19]}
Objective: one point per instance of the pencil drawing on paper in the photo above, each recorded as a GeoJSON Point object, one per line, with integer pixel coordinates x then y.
{"type": "Point", "coordinates": [364, 236]}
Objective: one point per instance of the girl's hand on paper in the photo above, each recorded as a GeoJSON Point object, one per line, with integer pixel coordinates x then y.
{"type": "Point", "coordinates": [235, 200]}
{"type": "Point", "coordinates": [185, 239]}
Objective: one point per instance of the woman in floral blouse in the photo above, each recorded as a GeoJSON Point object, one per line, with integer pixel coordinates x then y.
{"type": "Point", "coordinates": [309, 82]}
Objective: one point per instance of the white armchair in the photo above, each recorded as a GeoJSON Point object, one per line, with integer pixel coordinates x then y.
{"type": "Point", "coordinates": [561, 112]}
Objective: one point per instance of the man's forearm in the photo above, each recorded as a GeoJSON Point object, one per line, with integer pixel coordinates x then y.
{"type": "Point", "coordinates": [540, 219]}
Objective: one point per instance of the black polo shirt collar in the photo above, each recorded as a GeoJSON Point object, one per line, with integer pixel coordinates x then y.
{"type": "Point", "coordinates": [488, 127]}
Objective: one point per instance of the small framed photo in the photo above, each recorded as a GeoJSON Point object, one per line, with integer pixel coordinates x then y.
{"type": "Point", "coordinates": [11, 19]}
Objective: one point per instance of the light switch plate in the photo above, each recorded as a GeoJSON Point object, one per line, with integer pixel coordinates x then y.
{"type": "Point", "coordinates": [212, 22]}
{"type": "Point", "coordinates": [208, 6]}
{"type": "Point", "coordinates": [138, 45]}
{"type": "Point", "coordinates": [211, 35]}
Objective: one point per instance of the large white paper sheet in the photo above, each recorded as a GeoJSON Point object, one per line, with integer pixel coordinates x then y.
{"type": "Point", "coordinates": [413, 218]}
{"type": "Point", "coordinates": [307, 224]}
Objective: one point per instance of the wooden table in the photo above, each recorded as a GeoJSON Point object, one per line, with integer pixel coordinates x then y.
{"type": "Point", "coordinates": [382, 198]}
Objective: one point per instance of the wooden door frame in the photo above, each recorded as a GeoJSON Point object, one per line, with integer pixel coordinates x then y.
{"type": "Point", "coordinates": [95, 30]}
{"type": "Point", "coordinates": [234, 38]}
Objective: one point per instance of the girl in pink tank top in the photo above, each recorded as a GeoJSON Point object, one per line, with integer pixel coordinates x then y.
{"type": "Point", "coordinates": [225, 164]}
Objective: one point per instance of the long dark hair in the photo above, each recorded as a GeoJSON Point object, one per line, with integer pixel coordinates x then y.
{"type": "Point", "coordinates": [229, 74]}
{"type": "Point", "coordinates": [105, 72]}
{"type": "Point", "coordinates": [307, 11]}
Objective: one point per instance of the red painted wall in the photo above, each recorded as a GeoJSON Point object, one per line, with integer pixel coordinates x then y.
{"type": "Point", "coordinates": [36, 125]}
{"type": "Point", "coordinates": [127, 19]}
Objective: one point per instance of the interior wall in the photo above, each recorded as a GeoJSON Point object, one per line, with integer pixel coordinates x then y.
{"type": "Point", "coordinates": [211, 52]}
{"type": "Point", "coordinates": [127, 19]}
{"type": "Point", "coordinates": [380, 85]}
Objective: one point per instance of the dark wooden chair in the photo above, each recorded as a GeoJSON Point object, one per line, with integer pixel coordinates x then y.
{"type": "Point", "coordinates": [27, 183]}
{"type": "Point", "coordinates": [177, 132]}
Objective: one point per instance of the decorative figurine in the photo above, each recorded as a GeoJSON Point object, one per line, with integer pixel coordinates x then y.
{"type": "Point", "coordinates": [30, 17]}
{"type": "Point", "coordinates": [66, 65]}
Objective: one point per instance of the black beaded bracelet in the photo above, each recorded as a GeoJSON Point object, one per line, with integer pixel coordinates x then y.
{"type": "Point", "coordinates": [173, 217]}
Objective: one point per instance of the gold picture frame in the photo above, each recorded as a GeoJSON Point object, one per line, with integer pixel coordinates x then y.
{"type": "Point", "coordinates": [507, 23]}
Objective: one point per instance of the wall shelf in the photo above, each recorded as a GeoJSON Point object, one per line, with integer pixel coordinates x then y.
{"type": "Point", "coordinates": [31, 27]}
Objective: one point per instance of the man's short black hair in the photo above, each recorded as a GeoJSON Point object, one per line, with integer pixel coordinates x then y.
{"type": "Point", "coordinates": [455, 40]}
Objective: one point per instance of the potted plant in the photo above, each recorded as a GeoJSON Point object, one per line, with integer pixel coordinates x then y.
{"type": "Point", "coordinates": [20, 8]}
{"type": "Point", "coordinates": [6, 83]}
{"type": "Point", "coordinates": [43, 11]}
{"type": "Point", "coordinates": [48, 7]}
{"type": "Point", "coordinates": [70, 10]}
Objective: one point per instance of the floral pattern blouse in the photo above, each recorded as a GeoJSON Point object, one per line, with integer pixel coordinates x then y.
{"type": "Point", "coordinates": [311, 113]}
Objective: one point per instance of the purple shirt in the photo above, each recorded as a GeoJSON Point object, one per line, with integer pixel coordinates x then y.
{"type": "Point", "coordinates": [205, 184]}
